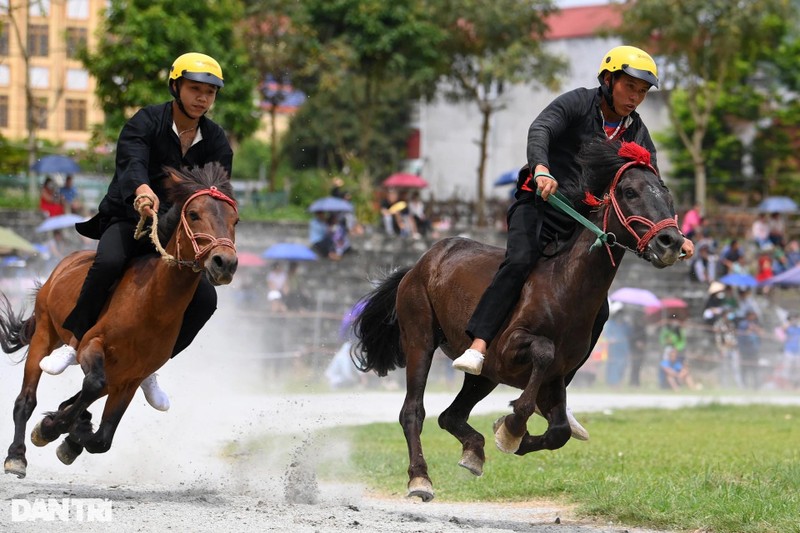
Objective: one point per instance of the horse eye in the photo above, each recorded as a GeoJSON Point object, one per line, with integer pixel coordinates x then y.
{"type": "Point", "coordinates": [630, 193]}
{"type": "Point", "coordinates": [194, 216]}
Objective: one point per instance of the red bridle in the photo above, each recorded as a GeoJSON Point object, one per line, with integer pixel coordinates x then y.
{"type": "Point", "coordinates": [640, 158]}
{"type": "Point", "coordinates": [213, 242]}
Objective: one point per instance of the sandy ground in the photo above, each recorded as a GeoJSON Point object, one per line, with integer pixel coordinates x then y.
{"type": "Point", "coordinates": [167, 472]}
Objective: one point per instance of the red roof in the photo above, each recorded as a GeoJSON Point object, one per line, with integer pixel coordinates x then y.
{"type": "Point", "coordinates": [586, 21]}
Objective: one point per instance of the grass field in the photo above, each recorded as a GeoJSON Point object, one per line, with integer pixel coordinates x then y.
{"type": "Point", "coordinates": [714, 468]}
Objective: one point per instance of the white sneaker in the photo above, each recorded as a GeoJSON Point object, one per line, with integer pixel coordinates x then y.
{"type": "Point", "coordinates": [578, 431]}
{"type": "Point", "coordinates": [470, 362]}
{"type": "Point", "coordinates": [59, 359]}
{"type": "Point", "coordinates": [156, 397]}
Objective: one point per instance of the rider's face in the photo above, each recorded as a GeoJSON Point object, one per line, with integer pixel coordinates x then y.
{"type": "Point", "coordinates": [197, 97]}
{"type": "Point", "coordinates": [628, 93]}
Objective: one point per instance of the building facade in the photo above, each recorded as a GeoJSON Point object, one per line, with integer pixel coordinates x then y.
{"type": "Point", "coordinates": [49, 33]}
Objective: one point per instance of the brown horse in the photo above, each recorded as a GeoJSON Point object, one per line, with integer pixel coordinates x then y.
{"type": "Point", "coordinates": [547, 337]}
{"type": "Point", "coordinates": [136, 333]}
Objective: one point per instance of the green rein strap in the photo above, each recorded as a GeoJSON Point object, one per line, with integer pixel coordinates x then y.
{"type": "Point", "coordinates": [560, 202]}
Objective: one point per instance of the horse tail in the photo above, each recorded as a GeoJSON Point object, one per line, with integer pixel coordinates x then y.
{"type": "Point", "coordinates": [377, 330]}
{"type": "Point", "coordinates": [15, 331]}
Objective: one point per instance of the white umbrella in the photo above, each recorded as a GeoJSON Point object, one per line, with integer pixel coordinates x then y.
{"type": "Point", "coordinates": [59, 222]}
{"type": "Point", "coordinates": [635, 296]}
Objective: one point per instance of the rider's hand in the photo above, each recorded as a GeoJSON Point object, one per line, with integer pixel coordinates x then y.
{"type": "Point", "coordinates": [687, 248]}
{"type": "Point", "coordinates": [143, 206]}
{"type": "Point", "coordinates": [546, 185]}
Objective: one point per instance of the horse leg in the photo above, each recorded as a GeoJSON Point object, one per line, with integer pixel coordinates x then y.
{"type": "Point", "coordinates": [509, 430]}
{"type": "Point", "coordinates": [116, 405]}
{"type": "Point", "coordinates": [94, 383]}
{"type": "Point", "coordinates": [71, 447]}
{"type": "Point", "coordinates": [552, 401]}
{"type": "Point", "coordinates": [44, 338]}
{"type": "Point", "coordinates": [454, 420]}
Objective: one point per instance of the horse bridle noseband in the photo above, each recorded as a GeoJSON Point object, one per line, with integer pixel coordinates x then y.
{"type": "Point", "coordinates": [213, 242]}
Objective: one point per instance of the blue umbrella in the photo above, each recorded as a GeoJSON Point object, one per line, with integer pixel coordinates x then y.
{"type": "Point", "coordinates": [55, 164]}
{"type": "Point", "coordinates": [778, 204]}
{"type": "Point", "coordinates": [289, 251]}
{"type": "Point", "coordinates": [506, 178]}
{"type": "Point", "coordinates": [739, 280]}
{"type": "Point", "coordinates": [331, 204]}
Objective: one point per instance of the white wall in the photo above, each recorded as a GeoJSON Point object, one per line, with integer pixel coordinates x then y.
{"type": "Point", "coordinates": [450, 132]}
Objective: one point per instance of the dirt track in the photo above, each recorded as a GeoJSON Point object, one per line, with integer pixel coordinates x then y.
{"type": "Point", "coordinates": [166, 472]}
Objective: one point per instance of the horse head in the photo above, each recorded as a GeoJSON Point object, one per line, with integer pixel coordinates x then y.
{"type": "Point", "coordinates": [636, 207]}
{"type": "Point", "coordinates": [202, 221]}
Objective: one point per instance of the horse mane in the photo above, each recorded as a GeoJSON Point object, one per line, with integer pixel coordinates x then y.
{"type": "Point", "coordinates": [600, 161]}
{"type": "Point", "coordinates": [188, 181]}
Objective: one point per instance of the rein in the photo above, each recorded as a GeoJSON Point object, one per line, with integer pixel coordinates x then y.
{"type": "Point", "coordinates": [199, 252]}
{"type": "Point", "coordinates": [641, 158]}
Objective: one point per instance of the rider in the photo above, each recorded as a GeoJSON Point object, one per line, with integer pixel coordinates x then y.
{"type": "Point", "coordinates": [175, 134]}
{"type": "Point", "coordinates": [554, 139]}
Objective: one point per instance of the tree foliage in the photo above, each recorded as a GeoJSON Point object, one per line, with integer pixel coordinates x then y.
{"type": "Point", "coordinates": [488, 47]}
{"type": "Point", "coordinates": [137, 43]}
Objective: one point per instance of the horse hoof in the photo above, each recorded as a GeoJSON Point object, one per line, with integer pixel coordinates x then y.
{"type": "Point", "coordinates": [421, 488]}
{"type": "Point", "coordinates": [36, 436]}
{"type": "Point", "coordinates": [471, 462]}
{"type": "Point", "coordinates": [18, 467]}
{"type": "Point", "coordinates": [503, 439]}
{"type": "Point", "coordinates": [67, 453]}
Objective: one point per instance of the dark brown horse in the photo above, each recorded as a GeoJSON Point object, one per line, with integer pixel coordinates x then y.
{"type": "Point", "coordinates": [417, 310]}
{"type": "Point", "coordinates": [136, 332]}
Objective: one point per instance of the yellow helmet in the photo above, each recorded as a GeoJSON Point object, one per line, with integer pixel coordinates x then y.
{"type": "Point", "coordinates": [632, 61]}
{"type": "Point", "coordinates": [197, 67]}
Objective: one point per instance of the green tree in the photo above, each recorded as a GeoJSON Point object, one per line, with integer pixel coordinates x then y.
{"type": "Point", "coordinates": [137, 43]}
{"type": "Point", "coordinates": [279, 43]}
{"type": "Point", "coordinates": [371, 51]}
{"type": "Point", "coordinates": [704, 48]}
{"type": "Point", "coordinates": [490, 46]}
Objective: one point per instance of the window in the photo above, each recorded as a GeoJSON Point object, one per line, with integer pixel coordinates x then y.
{"type": "Point", "coordinates": [77, 79]}
{"type": "Point", "coordinates": [76, 40]}
{"type": "Point", "coordinates": [78, 9]}
{"type": "Point", "coordinates": [40, 113]}
{"type": "Point", "coordinates": [38, 40]}
{"type": "Point", "coordinates": [76, 115]}
{"type": "Point", "coordinates": [40, 77]}
{"type": "Point", "coordinates": [3, 111]}
{"type": "Point", "coordinates": [5, 76]}
{"type": "Point", "coordinates": [4, 29]}
{"type": "Point", "coordinates": [39, 8]}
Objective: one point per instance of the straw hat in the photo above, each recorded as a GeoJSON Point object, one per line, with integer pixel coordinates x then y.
{"type": "Point", "coordinates": [716, 287]}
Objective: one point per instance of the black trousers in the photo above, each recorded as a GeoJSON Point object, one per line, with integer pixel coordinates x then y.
{"type": "Point", "coordinates": [114, 250]}
{"type": "Point", "coordinates": [528, 231]}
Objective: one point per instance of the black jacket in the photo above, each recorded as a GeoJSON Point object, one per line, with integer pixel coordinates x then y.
{"type": "Point", "coordinates": [146, 144]}
{"type": "Point", "coordinates": [572, 119]}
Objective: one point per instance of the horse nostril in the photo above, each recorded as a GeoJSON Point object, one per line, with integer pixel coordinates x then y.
{"type": "Point", "coordinates": [665, 241]}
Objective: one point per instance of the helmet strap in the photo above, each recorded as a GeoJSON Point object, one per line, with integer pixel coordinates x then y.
{"type": "Point", "coordinates": [607, 90]}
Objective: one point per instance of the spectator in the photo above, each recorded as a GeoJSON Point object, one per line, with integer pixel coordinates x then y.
{"type": "Point", "coordinates": [759, 231]}
{"type": "Point", "coordinates": [339, 235]}
{"type": "Point", "coordinates": [764, 264]}
{"type": "Point", "coordinates": [638, 348]}
{"type": "Point", "coordinates": [338, 190]}
{"type": "Point", "coordinates": [320, 235]}
{"type": "Point", "coordinates": [69, 196]}
{"type": "Point", "coordinates": [792, 253]}
{"type": "Point", "coordinates": [704, 265]}
{"type": "Point", "coordinates": [777, 230]}
{"type": "Point", "coordinates": [674, 372]}
{"type": "Point", "coordinates": [617, 333]}
{"type": "Point", "coordinates": [730, 255]}
{"type": "Point", "coordinates": [673, 334]}
{"type": "Point", "coordinates": [296, 296]}
{"type": "Point", "coordinates": [748, 339]}
{"type": "Point", "coordinates": [791, 349]}
{"type": "Point", "coordinates": [416, 208]}
{"type": "Point", "coordinates": [49, 202]}
{"type": "Point", "coordinates": [692, 220]}
{"type": "Point", "coordinates": [277, 285]}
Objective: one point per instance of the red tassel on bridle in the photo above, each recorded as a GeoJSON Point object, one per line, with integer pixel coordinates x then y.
{"type": "Point", "coordinates": [634, 152]}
